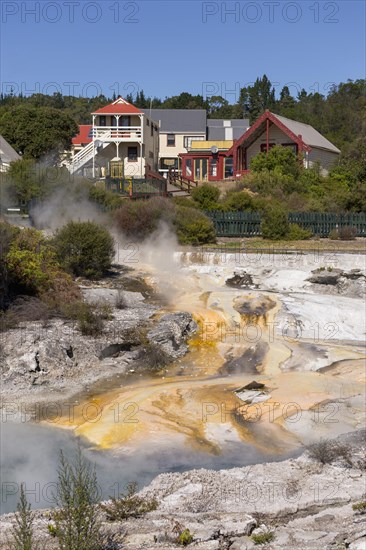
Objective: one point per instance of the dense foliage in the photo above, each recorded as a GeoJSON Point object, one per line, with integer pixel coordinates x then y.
{"type": "Point", "coordinates": [139, 219]}
{"type": "Point", "coordinates": [35, 132]}
{"type": "Point", "coordinates": [338, 115]}
{"type": "Point", "coordinates": [85, 249]}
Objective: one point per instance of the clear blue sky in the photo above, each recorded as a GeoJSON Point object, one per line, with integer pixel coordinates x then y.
{"type": "Point", "coordinates": [166, 47]}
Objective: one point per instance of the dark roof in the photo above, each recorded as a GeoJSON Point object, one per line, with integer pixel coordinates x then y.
{"type": "Point", "coordinates": [179, 120]}
{"type": "Point", "coordinates": [7, 153]}
{"type": "Point", "coordinates": [216, 128]}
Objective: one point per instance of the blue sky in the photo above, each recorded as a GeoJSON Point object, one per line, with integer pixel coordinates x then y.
{"type": "Point", "coordinates": [166, 47]}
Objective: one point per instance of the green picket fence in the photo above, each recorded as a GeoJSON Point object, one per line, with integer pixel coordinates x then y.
{"type": "Point", "coordinates": [248, 224]}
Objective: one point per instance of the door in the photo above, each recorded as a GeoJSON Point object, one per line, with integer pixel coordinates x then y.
{"type": "Point", "coordinates": [200, 169]}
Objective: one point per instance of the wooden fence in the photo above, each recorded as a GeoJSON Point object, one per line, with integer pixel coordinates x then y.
{"type": "Point", "coordinates": [248, 224]}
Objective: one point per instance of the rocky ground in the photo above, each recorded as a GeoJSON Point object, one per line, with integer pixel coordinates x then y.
{"type": "Point", "coordinates": [301, 502]}
{"type": "Point", "coordinates": [51, 360]}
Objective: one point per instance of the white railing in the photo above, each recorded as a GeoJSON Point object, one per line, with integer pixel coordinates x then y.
{"type": "Point", "coordinates": [131, 133]}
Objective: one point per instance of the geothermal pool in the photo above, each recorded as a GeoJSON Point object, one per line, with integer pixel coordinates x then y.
{"type": "Point", "coordinates": [305, 344]}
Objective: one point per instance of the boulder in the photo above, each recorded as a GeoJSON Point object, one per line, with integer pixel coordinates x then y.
{"type": "Point", "coordinates": [171, 333]}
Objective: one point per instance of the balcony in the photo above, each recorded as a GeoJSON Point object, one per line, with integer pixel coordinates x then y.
{"type": "Point", "coordinates": [117, 133]}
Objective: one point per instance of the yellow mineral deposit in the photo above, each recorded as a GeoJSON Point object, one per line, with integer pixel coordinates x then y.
{"type": "Point", "coordinates": [200, 405]}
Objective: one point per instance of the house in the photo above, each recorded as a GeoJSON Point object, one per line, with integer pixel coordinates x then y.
{"type": "Point", "coordinates": [270, 130]}
{"type": "Point", "coordinates": [220, 129]}
{"type": "Point", "coordinates": [177, 129]}
{"type": "Point", "coordinates": [208, 160]}
{"type": "Point", "coordinates": [7, 155]}
{"type": "Point", "coordinates": [122, 141]}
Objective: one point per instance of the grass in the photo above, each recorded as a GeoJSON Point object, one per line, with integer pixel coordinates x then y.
{"type": "Point", "coordinates": [256, 243]}
{"type": "Point", "coordinates": [263, 538]}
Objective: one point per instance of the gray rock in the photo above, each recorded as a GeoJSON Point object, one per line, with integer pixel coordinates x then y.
{"type": "Point", "coordinates": [171, 333]}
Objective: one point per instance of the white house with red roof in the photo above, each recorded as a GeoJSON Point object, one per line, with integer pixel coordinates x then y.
{"type": "Point", "coordinates": [122, 141]}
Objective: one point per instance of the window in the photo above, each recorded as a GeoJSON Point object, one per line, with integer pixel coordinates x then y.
{"type": "Point", "coordinates": [189, 168]}
{"type": "Point", "coordinates": [148, 122]}
{"type": "Point", "coordinates": [170, 140]}
{"type": "Point", "coordinates": [124, 120]}
{"type": "Point", "coordinates": [213, 168]}
{"type": "Point", "coordinates": [187, 140]}
{"type": "Point", "coordinates": [264, 146]}
{"type": "Point", "coordinates": [152, 130]}
{"type": "Point", "coordinates": [102, 120]}
{"type": "Point", "coordinates": [132, 154]}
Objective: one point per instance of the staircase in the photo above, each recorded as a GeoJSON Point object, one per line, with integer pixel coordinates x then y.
{"type": "Point", "coordinates": [181, 184]}
{"type": "Point", "coordinates": [86, 154]}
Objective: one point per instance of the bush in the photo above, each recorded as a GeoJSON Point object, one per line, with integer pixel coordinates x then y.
{"type": "Point", "coordinates": [22, 532]}
{"type": "Point", "coordinates": [76, 522]}
{"type": "Point", "coordinates": [129, 505]}
{"type": "Point", "coordinates": [193, 227]}
{"type": "Point", "coordinates": [347, 233]}
{"type": "Point", "coordinates": [185, 538]}
{"type": "Point", "coordinates": [206, 196]}
{"type": "Point", "coordinates": [90, 317]}
{"type": "Point", "coordinates": [326, 451]}
{"type": "Point", "coordinates": [138, 219]}
{"type": "Point", "coordinates": [238, 201]}
{"type": "Point", "coordinates": [274, 222]}
{"type": "Point", "coordinates": [263, 538]}
{"type": "Point", "coordinates": [297, 233]}
{"type": "Point", "coordinates": [278, 158]}
{"type": "Point", "coordinates": [85, 248]}
{"type": "Point", "coordinates": [31, 262]}
{"type": "Point", "coordinates": [360, 507]}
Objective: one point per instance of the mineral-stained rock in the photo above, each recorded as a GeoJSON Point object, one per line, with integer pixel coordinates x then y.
{"type": "Point", "coordinates": [240, 280]}
{"type": "Point", "coordinates": [171, 333]}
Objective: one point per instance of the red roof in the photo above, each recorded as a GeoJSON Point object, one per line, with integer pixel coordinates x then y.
{"type": "Point", "coordinates": [84, 135]}
{"type": "Point", "coordinates": [119, 107]}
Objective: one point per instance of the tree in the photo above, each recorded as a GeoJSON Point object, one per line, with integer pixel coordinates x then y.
{"type": "Point", "coordinates": [257, 98]}
{"type": "Point", "coordinates": [76, 520]}
{"type": "Point", "coordinates": [35, 132]}
{"type": "Point", "coordinates": [22, 532]}
{"type": "Point", "coordinates": [85, 248]}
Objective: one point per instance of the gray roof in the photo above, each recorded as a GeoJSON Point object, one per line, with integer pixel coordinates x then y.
{"type": "Point", "coordinates": [216, 128]}
{"type": "Point", "coordinates": [179, 120]}
{"type": "Point", "coordinates": [309, 135]}
{"type": "Point", "coordinates": [7, 153]}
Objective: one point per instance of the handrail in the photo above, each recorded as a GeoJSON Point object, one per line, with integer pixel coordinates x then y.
{"type": "Point", "coordinates": [185, 184]}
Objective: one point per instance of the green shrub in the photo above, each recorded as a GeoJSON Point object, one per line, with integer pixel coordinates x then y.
{"type": "Point", "coordinates": [278, 158]}
{"type": "Point", "coordinates": [185, 538]}
{"type": "Point", "coordinates": [206, 196]}
{"type": "Point", "coordinates": [31, 263]}
{"type": "Point", "coordinates": [193, 227]}
{"type": "Point", "coordinates": [333, 235]}
{"type": "Point", "coordinates": [77, 525]}
{"type": "Point", "coordinates": [85, 248]}
{"type": "Point", "coordinates": [128, 505]}
{"type": "Point", "coordinates": [297, 233]}
{"type": "Point", "coordinates": [263, 538]}
{"type": "Point", "coordinates": [23, 532]}
{"type": "Point", "coordinates": [238, 201]}
{"type": "Point", "coordinates": [360, 507]}
{"type": "Point", "coordinates": [274, 222]}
